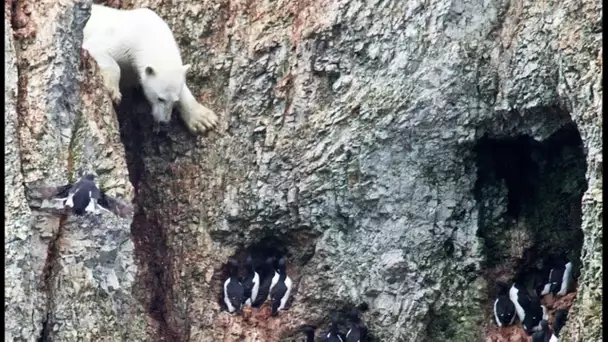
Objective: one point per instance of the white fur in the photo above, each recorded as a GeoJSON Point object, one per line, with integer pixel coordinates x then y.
{"type": "Point", "coordinates": [545, 313]}
{"type": "Point", "coordinates": [553, 338]}
{"type": "Point", "coordinates": [226, 298]}
{"type": "Point", "coordinates": [127, 43]}
{"type": "Point", "coordinates": [255, 289]}
{"type": "Point", "coordinates": [513, 291]}
{"type": "Point", "coordinates": [566, 280]}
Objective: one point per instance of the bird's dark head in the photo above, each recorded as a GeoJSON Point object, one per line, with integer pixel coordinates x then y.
{"type": "Point", "coordinates": [561, 316]}
{"type": "Point", "coordinates": [353, 314]}
{"type": "Point", "coordinates": [538, 336]}
{"type": "Point", "coordinates": [233, 266]}
{"type": "Point", "coordinates": [269, 262]}
{"type": "Point", "coordinates": [501, 287]}
{"type": "Point", "coordinates": [531, 320]}
{"type": "Point", "coordinates": [274, 306]}
{"type": "Point", "coordinates": [539, 283]}
{"type": "Point", "coordinates": [334, 318]}
{"type": "Point", "coordinates": [562, 257]}
{"type": "Point", "coordinates": [308, 328]}
{"type": "Point", "coordinates": [363, 307]}
{"type": "Point", "coordinates": [281, 264]}
{"type": "Point", "coordinates": [309, 331]}
{"type": "Point", "coordinates": [89, 177]}
{"type": "Point", "coordinates": [237, 303]}
{"type": "Point", "coordinates": [544, 325]}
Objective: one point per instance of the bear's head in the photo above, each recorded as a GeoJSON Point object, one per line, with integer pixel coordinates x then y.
{"type": "Point", "coordinates": [162, 87]}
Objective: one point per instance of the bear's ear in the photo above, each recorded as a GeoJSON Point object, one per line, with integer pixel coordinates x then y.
{"type": "Point", "coordinates": [186, 67]}
{"type": "Point", "coordinates": [149, 71]}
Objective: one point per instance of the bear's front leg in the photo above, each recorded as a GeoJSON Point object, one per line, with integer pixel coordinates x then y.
{"type": "Point", "coordinates": [110, 72]}
{"type": "Point", "coordinates": [197, 117]}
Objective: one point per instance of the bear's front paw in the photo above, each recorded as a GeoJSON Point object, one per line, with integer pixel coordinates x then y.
{"type": "Point", "coordinates": [115, 95]}
{"type": "Point", "coordinates": [112, 87]}
{"type": "Point", "coordinates": [199, 119]}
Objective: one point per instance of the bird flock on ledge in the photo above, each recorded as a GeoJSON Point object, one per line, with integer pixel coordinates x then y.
{"type": "Point", "coordinates": [84, 198]}
{"type": "Point", "coordinates": [518, 301]}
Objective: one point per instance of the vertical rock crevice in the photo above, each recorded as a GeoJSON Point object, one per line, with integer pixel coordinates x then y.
{"type": "Point", "coordinates": [148, 230]}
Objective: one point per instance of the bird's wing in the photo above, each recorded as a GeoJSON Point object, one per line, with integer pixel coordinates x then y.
{"type": "Point", "coordinates": [275, 292]}
{"type": "Point", "coordinates": [49, 192]}
{"type": "Point", "coordinates": [96, 193]}
{"type": "Point", "coordinates": [117, 206]}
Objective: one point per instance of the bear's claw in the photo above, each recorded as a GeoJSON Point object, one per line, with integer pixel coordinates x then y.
{"type": "Point", "coordinates": [201, 119]}
{"type": "Point", "coordinates": [112, 86]}
{"type": "Point", "coordinates": [115, 95]}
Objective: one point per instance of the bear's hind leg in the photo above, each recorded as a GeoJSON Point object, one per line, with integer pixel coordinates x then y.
{"type": "Point", "coordinates": [110, 72]}
{"type": "Point", "coordinates": [197, 117]}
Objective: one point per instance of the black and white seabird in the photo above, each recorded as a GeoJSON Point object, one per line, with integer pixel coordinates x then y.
{"type": "Point", "coordinates": [543, 334]}
{"type": "Point", "coordinates": [233, 289]}
{"type": "Point", "coordinates": [561, 316]}
{"type": "Point", "coordinates": [84, 197]}
{"type": "Point", "coordinates": [251, 283]}
{"type": "Point", "coordinates": [504, 309]}
{"type": "Point", "coordinates": [333, 335]}
{"type": "Point", "coordinates": [266, 274]}
{"type": "Point", "coordinates": [534, 314]}
{"type": "Point", "coordinates": [309, 332]}
{"type": "Point", "coordinates": [357, 331]}
{"type": "Point", "coordinates": [280, 288]}
{"type": "Point", "coordinates": [560, 278]}
{"type": "Point", "coordinates": [528, 308]}
{"type": "Point", "coordinates": [519, 297]}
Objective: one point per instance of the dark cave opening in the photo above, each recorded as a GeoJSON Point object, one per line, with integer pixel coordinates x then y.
{"type": "Point", "coordinates": [535, 187]}
{"type": "Point", "coordinates": [529, 199]}
{"type": "Point", "coordinates": [268, 246]}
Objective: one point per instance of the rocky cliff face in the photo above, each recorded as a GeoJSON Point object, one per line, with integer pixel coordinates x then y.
{"type": "Point", "coordinates": [401, 154]}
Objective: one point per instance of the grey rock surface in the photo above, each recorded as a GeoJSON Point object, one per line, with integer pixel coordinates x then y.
{"type": "Point", "coordinates": [348, 136]}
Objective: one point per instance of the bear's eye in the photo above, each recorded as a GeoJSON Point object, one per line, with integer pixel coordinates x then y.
{"type": "Point", "coordinates": [160, 99]}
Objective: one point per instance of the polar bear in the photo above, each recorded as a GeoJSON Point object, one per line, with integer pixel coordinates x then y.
{"type": "Point", "coordinates": [139, 46]}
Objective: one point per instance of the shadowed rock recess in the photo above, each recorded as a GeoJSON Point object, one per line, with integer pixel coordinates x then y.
{"type": "Point", "coordinates": [530, 198]}
{"type": "Point", "coordinates": [400, 154]}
